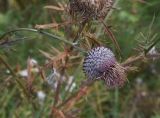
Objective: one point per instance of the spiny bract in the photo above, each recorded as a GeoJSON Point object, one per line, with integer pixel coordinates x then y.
{"type": "Point", "coordinates": [88, 9]}
{"type": "Point", "coordinates": [101, 64]}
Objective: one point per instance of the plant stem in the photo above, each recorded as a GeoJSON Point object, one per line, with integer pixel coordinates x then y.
{"type": "Point", "coordinates": [108, 15]}
{"type": "Point", "coordinates": [18, 82]}
{"type": "Point", "coordinates": [45, 34]}
{"type": "Point", "coordinates": [82, 25]}
{"type": "Point", "coordinates": [112, 37]}
{"type": "Point", "coordinates": [138, 58]}
{"type": "Point", "coordinates": [70, 101]}
{"type": "Point", "coordinates": [116, 98]}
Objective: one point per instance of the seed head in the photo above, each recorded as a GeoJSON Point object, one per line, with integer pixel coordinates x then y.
{"type": "Point", "coordinates": [89, 9]}
{"type": "Point", "coordinates": [101, 64]}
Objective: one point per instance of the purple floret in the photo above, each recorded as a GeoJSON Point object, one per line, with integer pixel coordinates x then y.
{"type": "Point", "coordinates": [101, 64]}
{"type": "Point", "coordinates": [98, 61]}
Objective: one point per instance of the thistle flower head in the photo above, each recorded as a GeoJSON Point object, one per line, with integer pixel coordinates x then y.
{"type": "Point", "coordinates": [100, 63]}
{"type": "Point", "coordinates": [90, 8]}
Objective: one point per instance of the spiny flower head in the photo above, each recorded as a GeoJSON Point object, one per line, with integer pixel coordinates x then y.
{"type": "Point", "coordinates": [88, 9]}
{"type": "Point", "coordinates": [101, 64]}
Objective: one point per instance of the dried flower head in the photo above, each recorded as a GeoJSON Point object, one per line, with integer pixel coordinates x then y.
{"type": "Point", "coordinates": [100, 63]}
{"type": "Point", "coordinates": [88, 9]}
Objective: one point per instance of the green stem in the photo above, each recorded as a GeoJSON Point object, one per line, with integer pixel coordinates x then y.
{"type": "Point", "coordinates": [108, 15]}
{"type": "Point", "coordinates": [45, 34]}
{"type": "Point", "coordinates": [82, 25]}
{"type": "Point", "coordinates": [116, 97]}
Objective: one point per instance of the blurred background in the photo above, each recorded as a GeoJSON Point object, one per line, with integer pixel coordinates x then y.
{"type": "Point", "coordinates": [133, 22]}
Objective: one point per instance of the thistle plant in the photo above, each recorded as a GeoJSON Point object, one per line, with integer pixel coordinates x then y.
{"type": "Point", "coordinates": [90, 9]}
{"type": "Point", "coordinates": [100, 64]}
{"type": "Point", "coordinates": [63, 65]}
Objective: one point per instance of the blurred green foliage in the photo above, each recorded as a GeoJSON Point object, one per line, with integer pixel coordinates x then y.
{"type": "Point", "coordinates": [140, 98]}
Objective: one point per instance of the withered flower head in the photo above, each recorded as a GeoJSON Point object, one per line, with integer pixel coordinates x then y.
{"type": "Point", "coordinates": [88, 9]}
{"type": "Point", "coordinates": [101, 64]}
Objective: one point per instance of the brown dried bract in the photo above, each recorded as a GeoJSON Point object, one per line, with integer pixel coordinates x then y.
{"type": "Point", "coordinates": [89, 9]}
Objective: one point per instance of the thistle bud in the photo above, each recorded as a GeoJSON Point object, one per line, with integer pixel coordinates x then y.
{"type": "Point", "coordinates": [88, 9]}
{"type": "Point", "coordinates": [101, 64]}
